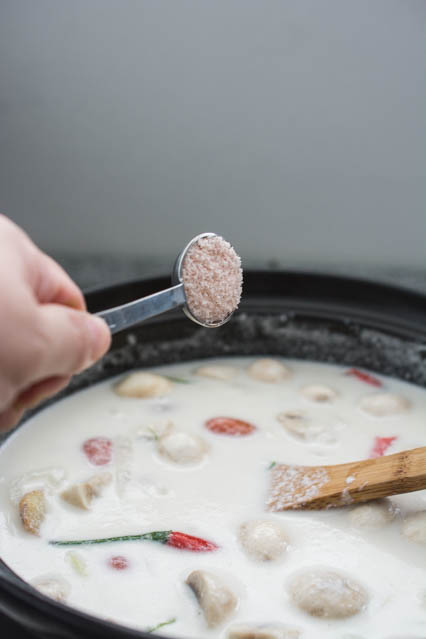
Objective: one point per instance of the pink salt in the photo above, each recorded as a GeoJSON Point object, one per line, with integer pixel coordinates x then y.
{"type": "Point", "coordinates": [212, 277]}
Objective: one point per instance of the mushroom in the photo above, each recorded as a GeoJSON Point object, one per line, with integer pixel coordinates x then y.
{"type": "Point", "coordinates": [263, 631]}
{"type": "Point", "coordinates": [181, 448]}
{"type": "Point", "coordinates": [81, 495]}
{"type": "Point", "coordinates": [216, 600]}
{"type": "Point", "coordinates": [263, 539]}
{"type": "Point", "coordinates": [319, 393]}
{"type": "Point", "coordinates": [268, 370]}
{"type": "Point", "coordinates": [54, 587]}
{"type": "Point", "coordinates": [307, 429]}
{"type": "Point", "coordinates": [383, 404]}
{"type": "Point", "coordinates": [143, 385]}
{"type": "Point", "coordinates": [325, 593]}
{"type": "Point", "coordinates": [295, 423]}
{"type": "Point", "coordinates": [32, 509]}
{"type": "Point", "coordinates": [216, 371]}
{"type": "Point", "coordinates": [414, 527]}
{"type": "Point", "coordinates": [373, 514]}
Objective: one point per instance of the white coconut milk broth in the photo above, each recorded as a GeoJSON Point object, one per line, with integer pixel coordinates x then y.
{"type": "Point", "coordinates": [211, 499]}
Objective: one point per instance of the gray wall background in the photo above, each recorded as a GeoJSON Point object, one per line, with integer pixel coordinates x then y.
{"type": "Point", "coordinates": [296, 129]}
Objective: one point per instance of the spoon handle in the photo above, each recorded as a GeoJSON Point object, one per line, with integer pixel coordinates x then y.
{"type": "Point", "coordinates": [126, 315]}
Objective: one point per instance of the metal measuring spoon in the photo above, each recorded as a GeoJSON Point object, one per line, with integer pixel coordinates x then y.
{"type": "Point", "coordinates": [126, 315]}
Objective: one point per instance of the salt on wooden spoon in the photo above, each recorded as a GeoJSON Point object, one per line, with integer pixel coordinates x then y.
{"type": "Point", "coordinates": [319, 487]}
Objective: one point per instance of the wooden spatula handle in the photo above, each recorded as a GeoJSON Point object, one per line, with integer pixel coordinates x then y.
{"type": "Point", "coordinates": [389, 475]}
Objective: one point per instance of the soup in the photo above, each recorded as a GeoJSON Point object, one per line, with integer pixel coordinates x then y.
{"type": "Point", "coordinates": [167, 473]}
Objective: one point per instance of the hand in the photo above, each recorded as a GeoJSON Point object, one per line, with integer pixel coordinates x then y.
{"type": "Point", "coordinates": [46, 334]}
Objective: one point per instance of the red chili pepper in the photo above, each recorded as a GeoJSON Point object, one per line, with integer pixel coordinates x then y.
{"type": "Point", "coordinates": [168, 537]}
{"type": "Point", "coordinates": [118, 563]}
{"type": "Point", "coordinates": [229, 426]}
{"type": "Point", "coordinates": [188, 542]}
{"type": "Point", "coordinates": [381, 444]}
{"type": "Point", "coordinates": [364, 377]}
{"type": "Point", "coordinates": [98, 450]}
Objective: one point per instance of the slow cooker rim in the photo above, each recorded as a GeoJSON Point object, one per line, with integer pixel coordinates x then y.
{"type": "Point", "coordinates": [393, 308]}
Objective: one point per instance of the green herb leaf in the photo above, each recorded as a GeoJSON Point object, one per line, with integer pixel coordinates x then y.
{"type": "Point", "coordinates": [271, 465]}
{"type": "Point", "coordinates": [154, 434]}
{"type": "Point", "coordinates": [160, 625]}
{"type": "Point", "coordinates": [177, 380]}
{"type": "Point", "coordinates": [158, 535]}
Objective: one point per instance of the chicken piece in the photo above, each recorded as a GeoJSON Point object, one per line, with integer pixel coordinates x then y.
{"type": "Point", "coordinates": [373, 514]}
{"type": "Point", "coordinates": [295, 423]}
{"type": "Point", "coordinates": [81, 495]}
{"type": "Point", "coordinates": [143, 385]}
{"type": "Point", "coordinates": [384, 404]}
{"type": "Point", "coordinates": [325, 593]}
{"type": "Point", "coordinates": [54, 587]}
{"type": "Point", "coordinates": [268, 370]}
{"type": "Point", "coordinates": [32, 509]}
{"type": "Point", "coordinates": [319, 393]}
{"type": "Point", "coordinates": [216, 600]}
{"type": "Point", "coordinates": [414, 527]}
{"type": "Point", "coordinates": [263, 631]}
{"type": "Point", "coordinates": [216, 371]}
{"type": "Point", "coordinates": [181, 447]}
{"type": "Point", "coordinates": [263, 539]}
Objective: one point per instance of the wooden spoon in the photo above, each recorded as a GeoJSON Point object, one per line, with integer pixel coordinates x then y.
{"type": "Point", "coordinates": [317, 487]}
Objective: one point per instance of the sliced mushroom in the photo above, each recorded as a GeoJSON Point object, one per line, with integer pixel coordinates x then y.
{"type": "Point", "coordinates": [319, 393]}
{"type": "Point", "coordinates": [414, 527]}
{"type": "Point", "coordinates": [216, 600]}
{"type": "Point", "coordinates": [81, 495]}
{"type": "Point", "coordinates": [182, 448]}
{"type": "Point", "coordinates": [263, 539]}
{"type": "Point", "coordinates": [217, 371]}
{"type": "Point", "coordinates": [383, 404]}
{"type": "Point", "coordinates": [295, 422]}
{"type": "Point", "coordinates": [308, 430]}
{"type": "Point", "coordinates": [373, 514]}
{"type": "Point", "coordinates": [325, 593]}
{"type": "Point", "coordinates": [32, 509]}
{"type": "Point", "coordinates": [268, 370]}
{"type": "Point", "coordinates": [54, 587]}
{"type": "Point", "coordinates": [263, 631]}
{"type": "Point", "coordinates": [143, 385]}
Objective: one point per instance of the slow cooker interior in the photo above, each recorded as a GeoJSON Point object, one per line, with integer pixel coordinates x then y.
{"type": "Point", "coordinates": [293, 315]}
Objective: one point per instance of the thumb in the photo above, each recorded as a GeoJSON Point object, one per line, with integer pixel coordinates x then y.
{"type": "Point", "coordinates": [74, 339]}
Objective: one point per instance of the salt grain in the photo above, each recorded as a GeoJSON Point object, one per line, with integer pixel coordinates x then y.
{"type": "Point", "coordinates": [293, 486]}
{"type": "Point", "coordinates": [212, 277]}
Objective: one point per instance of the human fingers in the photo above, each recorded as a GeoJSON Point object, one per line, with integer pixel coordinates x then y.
{"type": "Point", "coordinates": [73, 340]}
{"type": "Point", "coordinates": [52, 285]}
{"type": "Point", "coordinates": [29, 399]}
{"type": "Point", "coordinates": [10, 417]}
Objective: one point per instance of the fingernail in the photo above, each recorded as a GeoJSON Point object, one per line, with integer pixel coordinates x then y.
{"type": "Point", "coordinates": [100, 337]}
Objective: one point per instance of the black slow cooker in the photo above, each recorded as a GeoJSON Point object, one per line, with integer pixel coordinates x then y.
{"type": "Point", "coordinates": [297, 315]}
